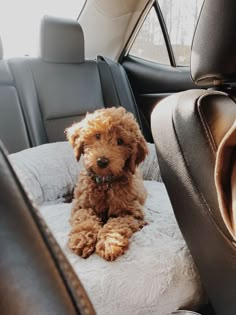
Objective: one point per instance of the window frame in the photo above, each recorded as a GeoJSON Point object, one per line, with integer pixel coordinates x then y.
{"type": "Point", "coordinates": [152, 4]}
{"type": "Point", "coordinates": [165, 34]}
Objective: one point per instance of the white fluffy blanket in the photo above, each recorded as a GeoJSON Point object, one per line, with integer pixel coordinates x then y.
{"type": "Point", "coordinates": [155, 276]}
{"type": "Point", "coordinates": [50, 171]}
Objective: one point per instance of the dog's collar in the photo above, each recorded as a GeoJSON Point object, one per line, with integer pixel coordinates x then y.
{"type": "Point", "coordinates": [105, 180]}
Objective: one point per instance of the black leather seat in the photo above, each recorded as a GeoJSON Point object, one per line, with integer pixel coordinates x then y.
{"type": "Point", "coordinates": [60, 86]}
{"type": "Point", "coordinates": [39, 97]}
{"type": "Point", "coordinates": [35, 276]}
{"type": "Point", "coordinates": [187, 129]}
{"type": "Point", "coordinates": [11, 117]}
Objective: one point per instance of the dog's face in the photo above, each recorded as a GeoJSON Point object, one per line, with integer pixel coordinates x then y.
{"type": "Point", "coordinates": [110, 140]}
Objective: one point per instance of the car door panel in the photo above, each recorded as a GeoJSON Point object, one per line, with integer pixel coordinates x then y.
{"type": "Point", "coordinates": [151, 82]}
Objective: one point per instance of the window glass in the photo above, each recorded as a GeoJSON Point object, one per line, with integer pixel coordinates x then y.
{"type": "Point", "coordinates": [181, 17]}
{"type": "Point", "coordinates": [149, 43]}
{"type": "Point", "coordinates": [20, 22]}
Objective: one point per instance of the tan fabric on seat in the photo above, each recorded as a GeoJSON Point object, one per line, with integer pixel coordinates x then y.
{"type": "Point", "coordinates": [225, 179]}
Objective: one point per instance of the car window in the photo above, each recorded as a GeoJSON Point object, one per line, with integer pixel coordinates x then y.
{"type": "Point", "coordinates": [149, 43]}
{"type": "Point", "coordinates": [20, 22]}
{"type": "Point", "coordinates": [179, 20]}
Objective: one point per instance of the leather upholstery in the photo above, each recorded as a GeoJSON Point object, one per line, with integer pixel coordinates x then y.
{"type": "Point", "coordinates": [187, 128]}
{"type": "Point", "coordinates": [62, 40]}
{"type": "Point", "coordinates": [214, 47]}
{"type": "Point", "coordinates": [55, 91]}
{"type": "Point", "coordinates": [1, 49]}
{"type": "Point", "coordinates": [35, 276]}
{"type": "Point", "coordinates": [70, 88]}
{"type": "Point", "coordinates": [29, 100]}
{"type": "Point", "coordinates": [12, 126]}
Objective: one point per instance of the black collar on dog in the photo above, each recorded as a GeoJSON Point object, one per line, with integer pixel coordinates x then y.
{"type": "Point", "coordinates": [106, 181]}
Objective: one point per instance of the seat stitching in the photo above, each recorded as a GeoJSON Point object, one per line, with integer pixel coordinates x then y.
{"type": "Point", "coordinates": [199, 194]}
{"type": "Point", "coordinates": [207, 130]}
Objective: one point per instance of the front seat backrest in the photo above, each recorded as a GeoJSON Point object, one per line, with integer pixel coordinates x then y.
{"type": "Point", "coordinates": [187, 129]}
{"type": "Point", "coordinates": [35, 276]}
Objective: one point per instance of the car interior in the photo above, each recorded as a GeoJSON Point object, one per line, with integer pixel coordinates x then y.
{"type": "Point", "coordinates": [184, 260]}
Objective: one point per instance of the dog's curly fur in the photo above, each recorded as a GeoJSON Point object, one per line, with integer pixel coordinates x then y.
{"type": "Point", "coordinates": [106, 213]}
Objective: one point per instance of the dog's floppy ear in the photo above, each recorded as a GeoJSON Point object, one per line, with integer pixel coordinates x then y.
{"type": "Point", "coordinates": [138, 155]}
{"type": "Point", "coordinates": [75, 138]}
{"type": "Point", "coordinates": [142, 150]}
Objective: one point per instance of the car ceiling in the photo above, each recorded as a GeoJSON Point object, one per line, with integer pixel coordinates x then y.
{"type": "Point", "coordinates": [108, 24]}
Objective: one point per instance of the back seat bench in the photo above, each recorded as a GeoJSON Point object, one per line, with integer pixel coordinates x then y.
{"type": "Point", "coordinates": [13, 131]}
{"type": "Point", "coordinates": [60, 86]}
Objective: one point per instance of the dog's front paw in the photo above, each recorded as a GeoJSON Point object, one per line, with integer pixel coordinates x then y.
{"type": "Point", "coordinates": [82, 242]}
{"type": "Point", "coordinates": [111, 245]}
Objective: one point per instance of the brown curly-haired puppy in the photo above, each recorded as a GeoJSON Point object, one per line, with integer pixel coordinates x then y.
{"type": "Point", "coordinates": [109, 196]}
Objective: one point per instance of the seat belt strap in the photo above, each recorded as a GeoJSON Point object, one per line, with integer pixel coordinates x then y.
{"type": "Point", "coordinates": [115, 93]}
{"type": "Point", "coordinates": [109, 91]}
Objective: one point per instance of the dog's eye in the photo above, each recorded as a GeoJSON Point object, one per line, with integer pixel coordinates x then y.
{"type": "Point", "coordinates": [98, 136]}
{"type": "Point", "coordinates": [120, 141]}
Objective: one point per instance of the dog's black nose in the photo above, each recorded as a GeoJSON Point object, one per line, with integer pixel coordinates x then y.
{"type": "Point", "coordinates": [102, 162]}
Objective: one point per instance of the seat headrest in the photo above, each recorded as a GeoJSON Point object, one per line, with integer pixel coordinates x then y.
{"type": "Point", "coordinates": [62, 40]}
{"type": "Point", "coordinates": [213, 56]}
{"type": "Point", "coordinates": [1, 49]}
